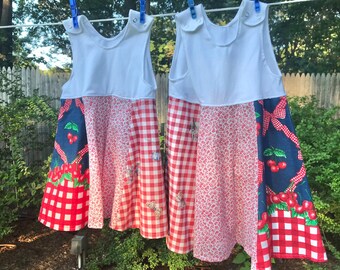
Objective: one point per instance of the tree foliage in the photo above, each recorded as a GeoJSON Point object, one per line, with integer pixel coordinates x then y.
{"type": "Point", "coordinates": [6, 35]}
{"type": "Point", "coordinates": [305, 35]}
{"type": "Point", "coordinates": [20, 119]}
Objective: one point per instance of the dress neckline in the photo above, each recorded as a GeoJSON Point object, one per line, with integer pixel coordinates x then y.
{"type": "Point", "coordinates": [229, 31]}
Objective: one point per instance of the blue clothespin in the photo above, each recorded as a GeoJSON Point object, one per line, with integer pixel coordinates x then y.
{"type": "Point", "coordinates": [142, 11]}
{"type": "Point", "coordinates": [257, 6]}
{"type": "Point", "coordinates": [191, 4]}
{"type": "Point", "coordinates": [74, 12]}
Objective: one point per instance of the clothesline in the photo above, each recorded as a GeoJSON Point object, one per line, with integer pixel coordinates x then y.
{"type": "Point", "coordinates": [155, 16]}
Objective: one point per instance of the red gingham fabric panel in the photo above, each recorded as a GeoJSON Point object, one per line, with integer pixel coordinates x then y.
{"type": "Point", "coordinates": [183, 118]}
{"type": "Point", "coordinates": [64, 208]}
{"type": "Point", "coordinates": [291, 238]}
{"type": "Point", "coordinates": [264, 252]}
{"type": "Point", "coordinates": [143, 202]}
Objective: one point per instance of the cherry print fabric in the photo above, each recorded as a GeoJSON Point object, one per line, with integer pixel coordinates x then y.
{"type": "Point", "coordinates": [127, 176]}
{"type": "Point", "coordinates": [287, 226]}
{"type": "Point", "coordinates": [65, 202]}
{"type": "Point", "coordinates": [262, 199]}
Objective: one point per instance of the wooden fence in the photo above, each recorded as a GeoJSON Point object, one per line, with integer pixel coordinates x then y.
{"type": "Point", "coordinates": [326, 87]}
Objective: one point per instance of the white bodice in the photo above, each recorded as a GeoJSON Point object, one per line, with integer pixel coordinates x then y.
{"type": "Point", "coordinates": [224, 65]}
{"type": "Point", "coordinates": [119, 66]}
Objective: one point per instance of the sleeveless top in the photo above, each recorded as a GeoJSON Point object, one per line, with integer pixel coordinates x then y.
{"type": "Point", "coordinates": [101, 66]}
{"type": "Point", "coordinates": [224, 65]}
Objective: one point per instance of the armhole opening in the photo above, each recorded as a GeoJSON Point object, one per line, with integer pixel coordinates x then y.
{"type": "Point", "coordinates": [178, 69]}
{"type": "Point", "coordinates": [72, 45]}
{"type": "Point", "coordinates": [268, 48]}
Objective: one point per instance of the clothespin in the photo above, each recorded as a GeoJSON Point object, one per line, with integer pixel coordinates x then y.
{"type": "Point", "coordinates": [74, 12]}
{"type": "Point", "coordinates": [142, 11]}
{"type": "Point", "coordinates": [257, 6]}
{"type": "Point", "coordinates": [191, 4]}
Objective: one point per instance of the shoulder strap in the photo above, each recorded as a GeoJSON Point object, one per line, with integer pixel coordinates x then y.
{"type": "Point", "coordinates": [186, 22]}
{"type": "Point", "coordinates": [251, 17]}
{"type": "Point", "coordinates": [134, 21]}
{"type": "Point", "coordinates": [69, 27]}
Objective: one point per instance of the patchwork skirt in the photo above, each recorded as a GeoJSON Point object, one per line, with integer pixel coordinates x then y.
{"type": "Point", "coordinates": [118, 140]}
{"type": "Point", "coordinates": [65, 202]}
{"type": "Point", "coordinates": [236, 175]}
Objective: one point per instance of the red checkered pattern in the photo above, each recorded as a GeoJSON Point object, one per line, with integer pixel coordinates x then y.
{"type": "Point", "coordinates": [297, 179]}
{"type": "Point", "coordinates": [80, 105]}
{"type": "Point", "coordinates": [64, 207]}
{"type": "Point", "coordinates": [81, 153]}
{"type": "Point", "coordinates": [60, 151]}
{"type": "Point", "coordinates": [65, 108]}
{"type": "Point", "coordinates": [288, 238]}
{"type": "Point", "coordinates": [279, 112]}
{"type": "Point", "coordinates": [263, 260]}
{"type": "Point", "coordinates": [291, 238]}
{"type": "Point", "coordinates": [143, 203]}
{"type": "Point", "coordinates": [183, 117]}
{"type": "Point", "coordinates": [260, 172]}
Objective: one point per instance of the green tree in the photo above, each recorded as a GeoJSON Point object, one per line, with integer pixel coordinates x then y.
{"type": "Point", "coordinates": [6, 35]}
{"type": "Point", "coordinates": [305, 35]}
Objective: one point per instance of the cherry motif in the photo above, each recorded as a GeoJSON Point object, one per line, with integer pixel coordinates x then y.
{"type": "Point", "coordinates": [307, 205]}
{"type": "Point", "coordinates": [275, 199]}
{"type": "Point", "coordinates": [274, 169]}
{"type": "Point", "coordinates": [299, 209]}
{"type": "Point", "coordinates": [71, 138]}
{"type": "Point", "coordinates": [312, 214]}
{"type": "Point", "coordinates": [271, 163]}
{"type": "Point", "coordinates": [294, 195]}
{"type": "Point", "coordinates": [291, 202]}
{"type": "Point", "coordinates": [260, 224]}
{"type": "Point", "coordinates": [81, 179]}
{"type": "Point", "coordinates": [283, 196]}
{"type": "Point", "coordinates": [74, 173]}
{"type": "Point", "coordinates": [264, 216]}
{"type": "Point", "coordinates": [282, 165]}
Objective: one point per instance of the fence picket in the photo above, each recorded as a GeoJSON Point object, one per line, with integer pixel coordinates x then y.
{"type": "Point", "coordinates": [325, 87]}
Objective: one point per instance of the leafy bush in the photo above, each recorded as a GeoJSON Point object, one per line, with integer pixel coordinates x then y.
{"type": "Point", "coordinates": [318, 130]}
{"type": "Point", "coordinates": [129, 250]}
{"type": "Point", "coordinates": [21, 180]}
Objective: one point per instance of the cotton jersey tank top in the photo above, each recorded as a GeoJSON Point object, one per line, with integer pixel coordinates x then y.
{"type": "Point", "coordinates": [101, 66]}
{"type": "Point", "coordinates": [224, 65]}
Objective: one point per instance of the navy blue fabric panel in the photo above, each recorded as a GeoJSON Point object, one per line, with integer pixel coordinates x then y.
{"type": "Point", "coordinates": [276, 146]}
{"type": "Point", "coordinates": [72, 122]}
